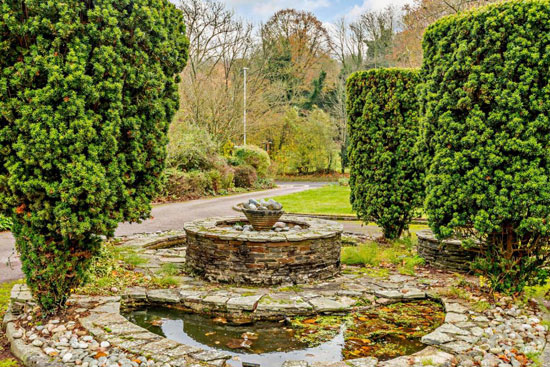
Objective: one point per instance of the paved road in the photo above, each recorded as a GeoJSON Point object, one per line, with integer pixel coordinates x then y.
{"type": "Point", "coordinates": [173, 216]}
{"type": "Point", "coordinates": [10, 265]}
{"type": "Point", "coordinates": [165, 217]}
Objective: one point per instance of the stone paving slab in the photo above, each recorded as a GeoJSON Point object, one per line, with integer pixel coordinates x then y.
{"type": "Point", "coordinates": [243, 303]}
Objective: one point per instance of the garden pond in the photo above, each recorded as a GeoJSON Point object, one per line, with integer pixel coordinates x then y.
{"type": "Point", "coordinates": [385, 333]}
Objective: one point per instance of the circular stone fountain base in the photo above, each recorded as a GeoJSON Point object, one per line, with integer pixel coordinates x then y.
{"type": "Point", "coordinates": [219, 252]}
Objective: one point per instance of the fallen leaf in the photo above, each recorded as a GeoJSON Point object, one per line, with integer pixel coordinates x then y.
{"type": "Point", "coordinates": [249, 335]}
{"type": "Point", "coordinates": [98, 355]}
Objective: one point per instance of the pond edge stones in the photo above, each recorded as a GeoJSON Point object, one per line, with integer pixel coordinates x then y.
{"type": "Point", "coordinates": [466, 335]}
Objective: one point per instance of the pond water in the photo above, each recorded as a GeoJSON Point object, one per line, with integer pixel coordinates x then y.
{"type": "Point", "coordinates": [317, 339]}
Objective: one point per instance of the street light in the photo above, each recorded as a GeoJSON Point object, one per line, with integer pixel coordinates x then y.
{"type": "Point", "coordinates": [244, 106]}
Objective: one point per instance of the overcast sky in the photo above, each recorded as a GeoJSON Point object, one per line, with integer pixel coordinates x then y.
{"type": "Point", "coordinates": [326, 10]}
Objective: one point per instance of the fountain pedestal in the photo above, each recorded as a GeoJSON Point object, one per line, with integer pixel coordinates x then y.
{"type": "Point", "coordinates": [220, 253]}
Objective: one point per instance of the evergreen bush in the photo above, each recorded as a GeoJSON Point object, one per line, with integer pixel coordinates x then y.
{"type": "Point", "coordinates": [486, 106]}
{"type": "Point", "coordinates": [87, 91]}
{"type": "Point", "coordinates": [386, 187]}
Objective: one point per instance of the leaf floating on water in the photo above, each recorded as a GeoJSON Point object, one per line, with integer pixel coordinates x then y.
{"type": "Point", "coordinates": [239, 343]}
{"type": "Point", "coordinates": [157, 322]}
{"type": "Point", "coordinates": [210, 333]}
{"type": "Point", "coordinates": [249, 336]}
{"type": "Point", "coordinates": [220, 320]}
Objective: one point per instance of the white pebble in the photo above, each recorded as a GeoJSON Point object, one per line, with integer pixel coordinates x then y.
{"type": "Point", "coordinates": [67, 357]}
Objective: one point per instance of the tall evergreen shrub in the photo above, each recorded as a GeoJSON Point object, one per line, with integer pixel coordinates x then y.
{"type": "Point", "coordinates": [87, 90]}
{"type": "Point", "coordinates": [486, 102]}
{"type": "Point", "coordinates": [386, 187]}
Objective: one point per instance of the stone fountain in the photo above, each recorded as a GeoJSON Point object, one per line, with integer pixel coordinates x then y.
{"type": "Point", "coordinates": [292, 250]}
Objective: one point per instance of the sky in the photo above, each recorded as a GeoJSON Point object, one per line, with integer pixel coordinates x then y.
{"type": "Point", "coordinates": [326, 10]}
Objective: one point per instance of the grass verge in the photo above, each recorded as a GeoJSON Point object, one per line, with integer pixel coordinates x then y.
{"type": "Point", "coordinates": [330, 199]}
{"type": "Point", "coordinates": [5, 357]}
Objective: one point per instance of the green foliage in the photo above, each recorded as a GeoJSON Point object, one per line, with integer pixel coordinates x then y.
{"type": "Point", "coordinates": [308, 143]}
{"type": "Point", "coordinates": [315, 96]}
{"type": "Point", "coordinates": [253, 156]}
{"type": "Point", "coordinates": [10, 362]}
{"type": "Point", "coordinates": [386, 187]}
{"type": "Point", "coordinates": [409, 265]}
{"type": "Point", "coordinates": [486, 126]}
{"type": "Point", "coordinates": [5, 223]}
{"type": "Point", "coordinates": [87, 91]}
{"type": "Point", "coordinates": [191, 148]}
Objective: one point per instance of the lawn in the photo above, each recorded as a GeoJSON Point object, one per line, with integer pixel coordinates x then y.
{"type": "Point", "coordinates": [5, 357]}
{"type": "Point", "coordinates": [330, 199]}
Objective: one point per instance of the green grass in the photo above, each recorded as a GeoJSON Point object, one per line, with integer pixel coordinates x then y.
{"type": "Point", "coordinates": [330, 199]}
{"type": "Point", "coordinates": [372, 254]}
{"type": "Point", "coordinates": [134, 259]}
{"type": "Point", "coordinates": [5, 291]}
{"type": "Point", "coordinates": [169, 269]}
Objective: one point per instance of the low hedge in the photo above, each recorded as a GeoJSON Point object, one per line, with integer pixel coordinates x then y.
{"type": "Point", "coordinates": [181, 186]}
{"type": "Point", "coordinates": [383, 129]}
{"type": "Point", "coordinates": [245, 176]}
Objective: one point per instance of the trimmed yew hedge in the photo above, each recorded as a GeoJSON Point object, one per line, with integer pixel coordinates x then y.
{"type": "Point", "coordinates": [383, 129]}
{"type": "Point", "coordinates": [87, 91]}
{"type": "Point", "coordinates": [486, 106]}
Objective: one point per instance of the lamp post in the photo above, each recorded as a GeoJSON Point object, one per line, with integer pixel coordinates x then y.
{"type": "Point", "coordinates": [244, 106]}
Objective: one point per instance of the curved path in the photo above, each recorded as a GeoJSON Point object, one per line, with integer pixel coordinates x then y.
{"type": "Point", "coordinates": [172, 216]}
{"type": "Point", "coordinates": [164, 217]}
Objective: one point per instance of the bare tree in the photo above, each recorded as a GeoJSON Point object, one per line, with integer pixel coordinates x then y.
{"type": "Point", "coordinates": [349, 45]}
{"type": "Point", "coordinates": [304, 33]}
{"type": "Point", "coordinates": [212, 89]}
{"type": "Point", "coordinates": [407, 48]}
{"type": "Point", "coordinates": [294, 43]}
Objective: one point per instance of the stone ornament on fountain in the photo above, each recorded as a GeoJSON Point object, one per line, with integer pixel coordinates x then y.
{"type": "Point", "coordinates": [262, 215]}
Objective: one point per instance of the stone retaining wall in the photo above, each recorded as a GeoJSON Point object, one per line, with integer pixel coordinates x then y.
{"type": "Point", "coordinates": [268, 258]}
{"type": "Point", "coordinates": [446, 254]}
